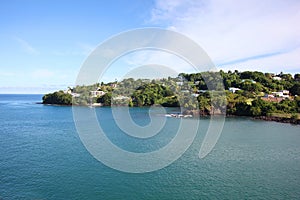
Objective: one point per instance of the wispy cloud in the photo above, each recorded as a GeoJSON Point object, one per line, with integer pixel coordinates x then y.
{"type": "Point", "coordinates": [86, 48]}
{"type": "Point", "coordinates": [7, 74]}
{"type": "Point", "coordinates": [150, 57]}
{"type": "Point", "coordinates": [80, 49]}
{"type": "Point", "coordinates": [245, 59]}
{"type": "Point", "coordinates": [245, 32]}
{"type": "Point", "coordinates": [28, 48]}
{"type": "Point", "coordinates": [285, 61]}
{"type": "Point", "coordinates": [31, 89]}
{"type": "Point", "coordinates": [42, 73]}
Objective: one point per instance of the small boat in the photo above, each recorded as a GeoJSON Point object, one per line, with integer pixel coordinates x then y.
{"type": "Point", "coordinates": [178, 115]}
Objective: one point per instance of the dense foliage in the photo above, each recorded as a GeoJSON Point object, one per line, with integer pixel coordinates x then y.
{"type": "Point", "coordinates": [59, 98]}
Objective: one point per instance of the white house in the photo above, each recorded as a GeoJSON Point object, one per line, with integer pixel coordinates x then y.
{"type": "Point", "coordinates": [180, 83]}
{"type": "Point", "coordinates": [277, 78]}
{"type": "Point", "coordinates": [285, 92]}
{"type": "Point", "coordinates": [233, 89]}
{"type": "Point", "coordinates": [278, 94]}
{"type": "Point", "coordinates": [75, 94]}
{"type": "Point", "coordinates": [185, 91]}
{"type": "Point", "coordinates": [69, 91]}
{"type": "Point", "coordinates": [97, 93]}
{"type": "Point", "coordinates": [249, 80]}
{"type": "Point", "coordinates": [120, 98]}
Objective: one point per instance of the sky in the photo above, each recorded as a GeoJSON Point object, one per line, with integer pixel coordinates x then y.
{"type": "Point", "coordinates": [43, 44]}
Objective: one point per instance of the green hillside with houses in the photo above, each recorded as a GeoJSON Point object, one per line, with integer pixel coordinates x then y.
{"type": "Point", "coordinates": [248, 93]}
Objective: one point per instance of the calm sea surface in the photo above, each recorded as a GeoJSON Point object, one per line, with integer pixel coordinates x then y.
{"type": "Point", "coordinates": [42, 157]}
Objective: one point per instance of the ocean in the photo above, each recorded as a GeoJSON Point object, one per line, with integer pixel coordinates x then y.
{"type": "Point", "coordinates": [42, 157]}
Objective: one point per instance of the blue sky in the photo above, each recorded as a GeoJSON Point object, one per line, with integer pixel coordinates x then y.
{"type": "Point", "coordinates": [44, 43]}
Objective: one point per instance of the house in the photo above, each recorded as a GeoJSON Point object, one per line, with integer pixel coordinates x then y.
{"type": "Point", "coordinates": [185, 91]}
{"type": "Point", "coordinates": [121, 98]}
{"type": "Point", "coordinates": [269, 96]}
{"type": "Point", "coordinates": [180, 83]}
{"type": "Point", "coordinates": [277, 78]}
{"type": "Point", "coordinates": [282, 93]}
{"type": "Point", "coordinates": [113, 85]}
{"type": "Point", "coordinates": [233, 89]}
{"type": "Point", "coordinates": [97, 93]}
{"type": "Point", "coordinates": [70, 91]}
{"type": "Point", "coordinates": [248, 80]}
{"type": "Point", "coordinates": [277, 94]}
{"type": "Point", "coordinates": [75, 94]}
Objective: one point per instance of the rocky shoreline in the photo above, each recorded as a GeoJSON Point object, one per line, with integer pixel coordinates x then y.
{"type": "Point", "coordinates": [279, 119]}
{"type": "Point", "coordinates": [196, 113]}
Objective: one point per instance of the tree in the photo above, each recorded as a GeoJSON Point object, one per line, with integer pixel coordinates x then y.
{"type": "Point", "coordinates": [59, 97]}
{"type": "Point", "coordinates": [295, 89]}
{"type": "Point", "coordinates": [243, 109]}
{"type": "Point", "coordinates": [204, 103]}
{"type": "Point", "coordinates": [255, 111]}
{"type": "Point", "coordinates": [105, 99]}
{"type": "Point", "coordinates": [297, 77]}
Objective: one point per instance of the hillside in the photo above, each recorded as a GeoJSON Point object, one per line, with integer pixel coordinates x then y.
{"type": "Point", "coordinates": [232, 93]}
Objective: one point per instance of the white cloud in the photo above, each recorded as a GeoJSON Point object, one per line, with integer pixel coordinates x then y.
{"type": "Point", "coordinates": [26, 46]}
{"type": "Point", "coordinates": [233, 30]}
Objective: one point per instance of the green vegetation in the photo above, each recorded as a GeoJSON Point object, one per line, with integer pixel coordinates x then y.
{"type": "Point", "coordinates": [59, 98]}
{"type": "Point", "coordinates": [195, 92]}
{"type": "Point", "coordinates": [105, 99]}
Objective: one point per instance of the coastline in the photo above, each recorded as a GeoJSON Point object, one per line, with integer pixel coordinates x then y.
{"type": "Point", "coordinates": [195, 114]}
{"type": "Point", "coordinates": [279, 119]}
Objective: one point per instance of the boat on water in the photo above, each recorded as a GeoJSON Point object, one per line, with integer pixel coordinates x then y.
{"type": "Point", "coordinates": [178, 115]}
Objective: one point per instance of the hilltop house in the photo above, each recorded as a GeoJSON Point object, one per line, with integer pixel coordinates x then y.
{"type": "Point", "coordinates": [277, 78]}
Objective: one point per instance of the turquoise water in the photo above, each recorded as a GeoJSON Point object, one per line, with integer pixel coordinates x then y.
{"type": "Point", "coordinates": [42, 157]}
